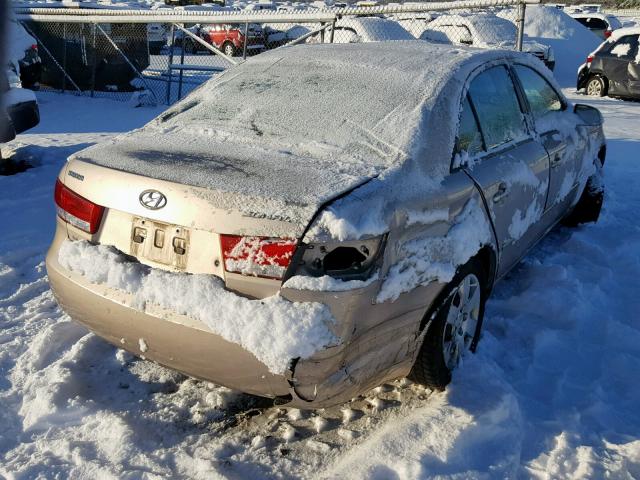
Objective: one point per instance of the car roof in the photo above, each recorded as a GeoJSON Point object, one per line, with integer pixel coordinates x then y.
{"type": "Point", "coordinates": [622, 32]}
{"type": "Point", "coordinates": [476, 19]}
{"type": "Point", "coordinates": [601, 16]}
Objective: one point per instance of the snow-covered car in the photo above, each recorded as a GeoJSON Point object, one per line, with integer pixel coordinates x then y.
{"type": "Point", "coordinates": [415, 23]}
{"type": "Point", "coordinates": [614, 68]}
{"type": "Point", "coordinates": [483, 31]}
{"type": "Point", "coordinates": [365, 30]}
{"type": "Point", "coordinates": [601, 24]}
{"type": "Point", "coordinates": [19, 108]}
{"type": "Point", "coordinates": [261, 7]}
{"type": "Point", "coordinates": [304, 228]}
{"type": "Point", "coordinates": [283, 34]}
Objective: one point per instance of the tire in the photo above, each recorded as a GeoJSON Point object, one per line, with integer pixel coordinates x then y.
{"type": "Point", "coordinates": [229, 49]}
{"type": "Point", "coordinates": [189, 46]}
{"type": "Point", "coordinates": [588, 208]}
{"type": "Point", "coordinates": [437, 359]}
{"type": "Point", "coordinates": [596, 86]}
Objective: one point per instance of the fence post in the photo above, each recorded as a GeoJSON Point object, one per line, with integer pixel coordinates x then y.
{"type": "Point", "coordinates": [169, 69]}
{"type": "Point", "coordinates": [333, 29]}
{"type": "Point", "coordinates": [93, 63]}
{"type": "Point", "coordinates": [246, 40]}
{"type": "Point", "coordinates": [520, 25]}
{"type": "Point", "coordinates": [64, 56]}
{"type": "Point", "coordinates": [181, 74]}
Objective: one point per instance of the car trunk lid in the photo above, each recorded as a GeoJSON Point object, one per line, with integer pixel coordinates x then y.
{"type": "Point", "coordinates": [260, 183]}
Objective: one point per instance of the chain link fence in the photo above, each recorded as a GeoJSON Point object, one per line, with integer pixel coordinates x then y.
{"type": "Point", "coordinates": [160, 56]}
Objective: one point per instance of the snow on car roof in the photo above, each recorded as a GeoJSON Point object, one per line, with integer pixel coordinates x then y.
{"type": "Point", "coordinates": [487, 29]}
{"type": "Point", "coordinates": [621, 32]}
{"type": "Point", "coordinates": [299, 125]}
{"type": "Point", "coordinates": [376, 29]}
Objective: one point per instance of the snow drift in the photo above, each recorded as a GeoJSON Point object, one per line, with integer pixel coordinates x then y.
{"type": "Point", "coordinates": [571, 41]}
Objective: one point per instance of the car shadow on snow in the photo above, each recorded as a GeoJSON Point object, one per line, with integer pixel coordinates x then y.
{"type": "Point", "coordinates": [23, 157]}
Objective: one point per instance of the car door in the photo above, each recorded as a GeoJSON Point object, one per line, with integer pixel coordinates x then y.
{"type": "Point", "coordinates": [616, 60]}
{"type": "Point", "coordinates": [564, 147]}
{"type": "Point", "coordinates": [511, 167]}
{"type": "Point", "coordinates": [633, 66]}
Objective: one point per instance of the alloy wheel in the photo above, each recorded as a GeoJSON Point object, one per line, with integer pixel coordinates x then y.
{"type": "Point", "coordinates": [462, 320]}
{"type": "Point", "coordinates": [594, 87]}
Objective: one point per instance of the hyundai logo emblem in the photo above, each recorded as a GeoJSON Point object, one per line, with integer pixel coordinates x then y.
{"type": "Point", "coordinates": [153, 199]}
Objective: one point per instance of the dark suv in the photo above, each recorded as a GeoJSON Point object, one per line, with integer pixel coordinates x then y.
{"type": "Point", "coordinates": [614, 68]}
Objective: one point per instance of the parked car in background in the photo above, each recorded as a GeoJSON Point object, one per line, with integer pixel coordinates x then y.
{"type": "Point", "coordinates": [19, 108]}
{"type": "Point", "coordinates": [278, 34]}
{"type": "Point", "coordinates": [156, 37]}
{"type": "Point", "coordinates": [23, 55]}
{"type": "Point", "coordinates": [414, 23]}
{"type": "Point", "coordinates": [323, 218]}
{"type": "Point", "coordinates": [261, 7]}
{"type": "Point", "coordinates": [227, 37]}
{"type": "Point", "coordinates": [614, 68]}
{"type": "Point", "coordinates": [364, 30]}
{"type": "Point", "coordinates": [483, 31]}
{"type": "Point", "coordinates": [599, 23]}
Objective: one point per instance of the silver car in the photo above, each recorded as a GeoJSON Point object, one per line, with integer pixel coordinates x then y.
{"type": "Point", "coordinates": [323, 218]}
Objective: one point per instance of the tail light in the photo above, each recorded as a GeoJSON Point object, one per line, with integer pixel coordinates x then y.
{"type": "Point", "coordinates": [589, 59]}
{"type": "Point", "coordinates": [77, 210]}
{"type": "Point", "coordinates": [258, 256]}
{"type": "Point", "coordinates": [607, 33]}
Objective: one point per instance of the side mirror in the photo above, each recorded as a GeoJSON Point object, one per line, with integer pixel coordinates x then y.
{"type": "Point", "coordinates": [588, 114]}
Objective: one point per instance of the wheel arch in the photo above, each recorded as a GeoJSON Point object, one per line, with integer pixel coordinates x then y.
{"type": "Point", "coordinates": [489, 261]}
{"type": "Point", "coordinates": [599, 74]}
{"type": "Point", "coordinates": [602, 154]}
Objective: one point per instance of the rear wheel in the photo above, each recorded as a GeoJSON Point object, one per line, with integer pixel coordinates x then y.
{"type": "Point", "coordinates": [455, 328]}
{"type": "Point", "coordinates": [588, 208]}
{"type": "Point", "coordinates": [229, 49]}
{"type": "Point", "coordinates": [189, 46]}
{"type": "Point", "coordinates": [596, 87]}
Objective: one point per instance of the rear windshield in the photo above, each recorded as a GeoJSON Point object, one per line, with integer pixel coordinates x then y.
{"type": "Point", "coordinates": [303, 105]}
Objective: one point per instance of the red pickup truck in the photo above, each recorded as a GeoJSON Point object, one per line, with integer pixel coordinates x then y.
{"type": "Point", "coordinates": [229, 38]}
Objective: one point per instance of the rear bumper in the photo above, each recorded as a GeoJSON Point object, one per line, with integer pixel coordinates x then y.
{"type": "Point", "coordinates": [377, 341]}
{"type": "Point", "coordinates": [24, 116]}
{"type": "Point", "coordinates": [583, 76]}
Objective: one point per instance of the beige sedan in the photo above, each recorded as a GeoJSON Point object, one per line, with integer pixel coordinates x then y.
{"type": "Point", "coordinates": [323, 218]}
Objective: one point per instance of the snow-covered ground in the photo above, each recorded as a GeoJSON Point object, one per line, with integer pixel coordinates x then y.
{"type": "Point", "coordinates": [552, 392]}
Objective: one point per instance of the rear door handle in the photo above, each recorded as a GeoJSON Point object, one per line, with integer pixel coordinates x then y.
{"type": "Point", "coordinates": [557, 155]}
{"type": "Point", "coordinates": [502, 193]}
{"type": "Point", "coordinates": [556, 160]}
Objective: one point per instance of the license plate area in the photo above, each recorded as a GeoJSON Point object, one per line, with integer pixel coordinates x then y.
{"type": "Point", "coordinates": [160, 242]}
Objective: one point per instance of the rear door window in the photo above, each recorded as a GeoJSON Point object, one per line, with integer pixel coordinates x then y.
{"type": "Point", "coordinates": [469, 139]}
{"type": "Point", "coordinates": [625, 48]}
{"type": "Point", "coordinates": [496, 103]}
{"type": "Point", "coordinates": [542, 98]}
